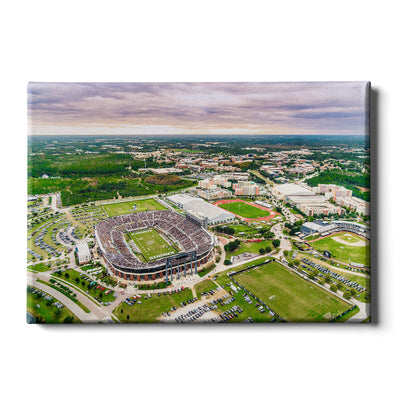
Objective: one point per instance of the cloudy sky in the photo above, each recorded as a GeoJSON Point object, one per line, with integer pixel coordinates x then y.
{"type": "Point", "coordinates": [197, 108]}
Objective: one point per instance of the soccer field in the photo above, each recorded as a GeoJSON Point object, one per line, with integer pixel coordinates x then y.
{"type": "Point", "coordinates": [151, 244]}
{"type": "Point", "coordinates": [128, 207]}
{"type": "Point", "coordinates": [345, 252]}
{"type": "Point", "coordinates": [292, 297]}
{"type": "Point", "coordinates": [244, 210]}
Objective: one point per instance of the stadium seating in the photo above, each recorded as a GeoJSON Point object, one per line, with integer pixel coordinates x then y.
{"type": "Point", "coordinates": [175, 227]}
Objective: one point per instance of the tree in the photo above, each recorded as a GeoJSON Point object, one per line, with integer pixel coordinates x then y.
{"type": "Point", "coordinates": [313, 274]}
{"type": "Point", "coordinates": [285, 253]}
{"type": "Point", "coordinates": [327, 279]}
{"type": "Point", "coordinates": [333, 288]}
{"type": "Point", "coordinates": [347, 295]}
{"type": "Point", "coordinates": [296, 262]}
{"type": "Point", "coordinates": [268, 249]}
{"type": "Point", "coordinates": [276, 243]}
{"type": "Point", "coordinates": [261, 251]}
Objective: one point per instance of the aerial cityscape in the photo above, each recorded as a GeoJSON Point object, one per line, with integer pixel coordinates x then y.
{"type": "Point", "coordinates": [198, 203]}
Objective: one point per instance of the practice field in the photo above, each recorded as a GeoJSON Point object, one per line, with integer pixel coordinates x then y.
{"type": "Point", "coordinates": [244, 210]}
{"type": "Point", "coordinates": [356, 250]}
{"type": "Point", "coordinates": [151, 244]}
{"type": "Point", "coordinates": [128, 207]}
{"type": "Point", "coordinates": [292, 297]}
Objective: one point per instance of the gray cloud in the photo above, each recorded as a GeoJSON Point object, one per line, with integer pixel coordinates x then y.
{"type": "Point", "coordinates": [281, 107]}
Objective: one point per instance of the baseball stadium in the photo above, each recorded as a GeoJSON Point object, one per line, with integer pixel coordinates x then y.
{"type": "Point", "coordinates": [153, 245]}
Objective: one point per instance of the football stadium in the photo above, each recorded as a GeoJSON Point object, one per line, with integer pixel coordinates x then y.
{"type": "Point", "coordinates": [153, 245]}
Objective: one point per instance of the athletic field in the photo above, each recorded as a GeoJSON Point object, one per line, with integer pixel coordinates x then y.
{"type": "Point", "coordinates": [292, 297]}
{"type": "Point", "coordinates": [151, 244]}
{"type": "Point", "coordinates": [128, 207]}
{"type": "Point", "coordinates": [244, 210]}
{"type": "Point", "coordinates": [345, 247]}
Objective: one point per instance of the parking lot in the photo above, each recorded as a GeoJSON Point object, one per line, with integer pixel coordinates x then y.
{"type": "Point", "coordinates": [197, 311]}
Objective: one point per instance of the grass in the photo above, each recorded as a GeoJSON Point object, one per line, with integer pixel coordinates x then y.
{"type": "Point", "coordinates": [93, 292]}
{"type": "Point", "coordinates": [250, 247]}
{"type": "Point", "coordinates": [41, 267]}
{"type": "Point", "coordinates": [128, 207]}
{"type": "Point", "coordinates": [292, 297]}
{"type": "Point", "coordinates": [204, 286]}
{"type": "Point", "coordinates": [356, 254]}
{"type": "Point", "coordinates": [361, 280]}
{"type": "Point", "coordinates": [47, 312]}
{"type": "Point", "coordinates": [151, 244]}
{"type": "Point", "coordinates": [244, 210]}
{"type": "Point", "coordinates": [206, 270]}
{"type": "Point", "coordinates": [149, 310]}
{"type": "Point", "coordinates": [249, 310]}
{"type": "Point", "coordinates": [243, 229]}
{"type": "Point", "coordinates": [351, 313]}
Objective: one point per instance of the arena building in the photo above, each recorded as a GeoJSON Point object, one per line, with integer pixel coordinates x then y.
{"type": "Point", "coordinates": [191, 245]}
{"type": "Point", "coordinates": [326, 228]}
{"type": "Point", "coordinates": [201, 210]}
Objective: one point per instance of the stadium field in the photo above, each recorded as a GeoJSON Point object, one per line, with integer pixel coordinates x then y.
{"type": "Point", "coordinates": [128, 207]}
{"type": "Point", "coordinates": [244, 210]}
{"type": "Point", "coordinates": [151, 244]}
{"type": "Point", "coordinates": [292, 297]}
{"type": "Point", "coordinates": [356, 250]}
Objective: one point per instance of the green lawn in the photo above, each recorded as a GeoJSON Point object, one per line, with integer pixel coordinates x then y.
{"type": "Point", "coordinates": [249, 310]}
{"type": "Point", "coordinates": [243, 229]}
{"type": "Point", "coordinates": [151, 244]}
{"type": "Point", "coordinates": [47, 312]}
{"type": "Point", "coordinates": [41, 267]}
{"type": "Point", "coordinates": [150, 309]}
{"type": "Point", "coordinates": [292, 297]}
{"type": "Point", "coordinates": [250, 247]}
{"type": "Point", "coordinates": [127, 207]}
{"type": "Point", "coordinates": [204, 286]}
{"type": "Point", "coordinates": [75, 279]}
{"type": "Point", "coordinates": [244, 210]}
{"type": "Point", "coordinates": [343, 252]}
{"type": "Point", "coordinates": [361, 280]}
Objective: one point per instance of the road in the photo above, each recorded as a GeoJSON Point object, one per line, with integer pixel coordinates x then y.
{"type": "Point", "coordinates": [286, 244]}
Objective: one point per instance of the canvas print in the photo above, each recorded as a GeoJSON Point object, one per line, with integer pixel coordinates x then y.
{"type": "Point", "coordinates": [200, 203]}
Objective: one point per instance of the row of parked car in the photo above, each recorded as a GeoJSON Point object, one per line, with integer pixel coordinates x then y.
{"type": "Point", "coordinates": [334, 275]}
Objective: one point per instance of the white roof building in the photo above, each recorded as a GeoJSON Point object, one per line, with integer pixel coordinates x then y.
{"type": "Point", "coordinates": [202, 209]}
{"type": "Point", "coordinates": [288, 189]}
{"type": "Point", "coordinates": [83, 253]}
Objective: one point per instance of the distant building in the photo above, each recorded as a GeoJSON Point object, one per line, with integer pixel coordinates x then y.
{"type": "Point", "coordinates": [214, 194]}
{"type": "Point", "coordinates": [244, 188]}
{"type": "Point", "coordinates": [354, 203]}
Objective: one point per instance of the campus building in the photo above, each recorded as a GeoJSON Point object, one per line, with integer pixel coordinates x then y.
{"type": "Point", "coordinates": [245, 188]}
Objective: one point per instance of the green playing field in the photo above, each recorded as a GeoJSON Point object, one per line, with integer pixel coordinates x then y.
{"type": "Point", "coordinates": [244, 210]}
{"type": "Point", "coordinates": [292, 297]}
{"type": "Point", "coordinates": [151, 244]}
{"type": "Point", "coordinates": [350, 252]}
